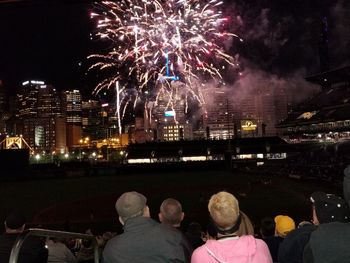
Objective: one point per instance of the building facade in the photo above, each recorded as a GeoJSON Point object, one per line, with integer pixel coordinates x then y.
{"type": "Point", "coordinates": [40, 114]}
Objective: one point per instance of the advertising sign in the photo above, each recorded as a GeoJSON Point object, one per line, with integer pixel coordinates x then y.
{"type": "Point", "coordinates": [248, 125]}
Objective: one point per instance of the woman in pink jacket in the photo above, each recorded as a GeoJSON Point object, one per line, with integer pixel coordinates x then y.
{"type": "Point", "coordinates": [228, 246]}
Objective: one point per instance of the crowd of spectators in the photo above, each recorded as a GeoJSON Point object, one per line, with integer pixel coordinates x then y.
{"type": "Point", "coordinates": [229, 235]}
{"type": "Point", "coordinates": [319, 165]}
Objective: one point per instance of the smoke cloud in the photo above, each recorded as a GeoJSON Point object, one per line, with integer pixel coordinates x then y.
{"type": "Point", "coordinates": [340, 33]}
{"type": "Point", "coordinates": [281, 44]}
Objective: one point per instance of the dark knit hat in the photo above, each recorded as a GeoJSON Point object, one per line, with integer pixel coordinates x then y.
{"type": "Point", "coordinates": [130, 204]}
{"type": "Point", "coordinates": [15, 220]}
{"type": "Point", "coordinates": [330, 208]}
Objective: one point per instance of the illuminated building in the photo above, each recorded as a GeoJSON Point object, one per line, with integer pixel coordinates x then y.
{"type": "Point", "coordinates": [71, 101]}
{"type": "Point", "coordinates": [36, 99]}
{"type": "Point", "coordinates": [94, 119]}
{"type": "Point", "coordinates": [170, 119]}
{"type": "Point", "coordinates": [219, 114]}
{"type": "Point", "coordinates": [72, 106]}
{"type": "Point", "coordinates": [45, 133]}
{"type": "Point", "coordinates": [44, 127]}
{"type": "Point", "coordinates": [142, 133]}
{"type": "Point", "coordinates": [225, 114]}
{"type": "Point", "coordinates": [174, 132]}
{"type": "Point", "coordinates": [271, 109]}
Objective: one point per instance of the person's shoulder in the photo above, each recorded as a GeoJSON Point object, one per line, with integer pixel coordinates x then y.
{"type": "Point", "coordinates": [259, 242]}
{"type": "Point", "coordinates": [203, 248]}
{"type": "Point", "coordinates": [251, 240]}
{"type": "Point", "coordinates": [300, 232]}
{"type": "Point", "coordinates": [168, 229]}
{"type": "Point", "coordinates": [113, 241]}
{"type": "Point", "coordinates": [199, 254]}
{"type": "Point", "coordinates": [337, 228]}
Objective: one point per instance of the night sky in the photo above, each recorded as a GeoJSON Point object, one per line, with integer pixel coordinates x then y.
{"type": "Point", "coordinates": [49, 39]}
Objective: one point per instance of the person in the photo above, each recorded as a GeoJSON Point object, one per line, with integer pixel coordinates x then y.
{"type": "Point", "coordinates": [268, 234]}
{"type": "Point", "coordinates": [171, 214]}
{"type": "Point", "coordinates": [291, 249]}
{"type": "Point", "coordinates": [144, 239]}
{"type": "Point", "coordinates": [330, 242]}
{"type": "Point", "coordinates": [284, 224]}
{"type": "Point", "coordinates": [59, 252]}
{"type": "Point", "coordinates": [33, 248]}
{"type": "Point", "coordinates": [326, 208]}
{"type": "Point", "coordinates": [194, 234]}
{"type": "Point", "coordinates": [229, 247]}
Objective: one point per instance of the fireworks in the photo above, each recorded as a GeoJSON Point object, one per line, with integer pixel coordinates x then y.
{"type": "Point", "coordinates": [154, 43]}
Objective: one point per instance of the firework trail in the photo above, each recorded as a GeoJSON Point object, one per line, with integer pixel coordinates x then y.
{"type": "Point", "coordinates": [154, 43]}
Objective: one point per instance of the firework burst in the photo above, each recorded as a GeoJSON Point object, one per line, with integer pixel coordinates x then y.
{"type": "Point", "coordinates": [154, 43]}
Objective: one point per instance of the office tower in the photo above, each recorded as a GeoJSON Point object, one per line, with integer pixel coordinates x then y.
{"type": "Point", "coordinates": [94, 120]}
{"type": "Point", "coordinates": [41, 115]}
{"type": "Point", "coordinates": [72, 107]}
{"type": "Point", "coordinates": [169, 117]}
{"type": "Point", "coordinates": [219, 113]}
{"type": "Point", "coordinates": [72, 110]}
{"type": "Point", "coordinates": [36, 99]}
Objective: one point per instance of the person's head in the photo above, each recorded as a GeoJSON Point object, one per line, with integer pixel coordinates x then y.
{"type": "Point", "coordinates": [328, 208]}
{"type": "Point", "coordinates": [14, 222]}
{"type": "Point", "coordinates": [284, 224]}
{"type": "Point", "coordinates": [267, 227]}
{"type": "Point", "coordinates": [131, 205]}
{"type": "Point", "coordinates": [224, 211]}
{"type": "Point", "coordinates": [304, 223]}
{"type": "Point", "coordinates": [171, 212]}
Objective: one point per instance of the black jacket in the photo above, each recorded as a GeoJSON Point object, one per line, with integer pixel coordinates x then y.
{"type": "Point", "coordinates": [145, 240]}
{"type": "Point", "coordinates": [32, 251]}
{"type": "Point", "coordinates": [292, 248]}
{"type": "Point", "coordinates": [330, 243]}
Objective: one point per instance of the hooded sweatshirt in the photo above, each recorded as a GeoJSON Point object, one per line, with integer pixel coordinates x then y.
{"type": "Point", "coordinates": [245, 249]}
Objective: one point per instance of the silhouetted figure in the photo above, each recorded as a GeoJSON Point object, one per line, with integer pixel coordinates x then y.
{"type": "Point", "coordinates": [33, 248]}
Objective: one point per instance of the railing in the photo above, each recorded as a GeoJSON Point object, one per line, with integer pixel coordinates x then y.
{"type": "Point", "coordinates": [49, 233]}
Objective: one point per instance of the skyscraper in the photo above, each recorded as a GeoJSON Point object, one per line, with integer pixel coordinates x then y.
{"type": "Point", "coordinates": [41, 114]}
{"type": "Point", "coordinates": [169, 116]}
{"type": "Point", "coordinates": [72, 107]}
{"type": "Point", "coordinates": [36, 99]}
{"type": "Point", "coordinates": [72, 111]}
{"type": "Point", "coordinates": [218, 113]}
{"type": "Point", "coordinates": [93, 120]}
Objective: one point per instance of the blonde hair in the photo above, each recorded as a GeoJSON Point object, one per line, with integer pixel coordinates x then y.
{"type": "Point", "coordinates": [246, 227]}
{"type": "Point", "coordinates": [224, 209]}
